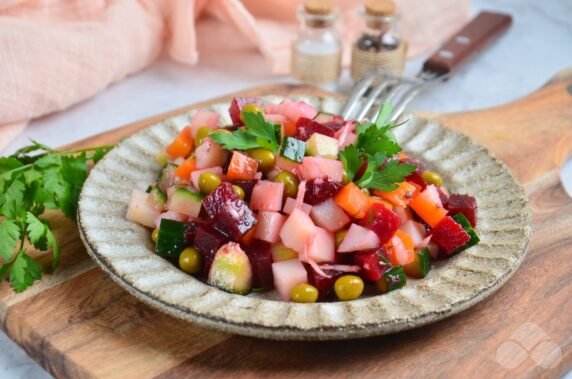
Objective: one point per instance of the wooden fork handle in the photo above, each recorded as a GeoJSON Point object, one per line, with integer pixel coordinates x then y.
{"type": "Point", "coordinates": [473, 37]}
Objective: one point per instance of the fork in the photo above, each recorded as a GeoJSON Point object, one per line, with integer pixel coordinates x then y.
{"type": "Point", "coordinates": [380, 86]}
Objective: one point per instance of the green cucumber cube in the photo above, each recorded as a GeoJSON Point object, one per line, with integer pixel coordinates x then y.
{"type": "Point", "coordinates": [462, 220]}
{"type": "Point", "coordinates": [293, 149]}
{"type": "Point", "coordinates": [392, 279]}
{"type": "Point", "coordinates": [420, 266]}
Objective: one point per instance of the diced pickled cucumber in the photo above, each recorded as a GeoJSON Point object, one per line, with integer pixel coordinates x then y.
{"type": "Point", "coordinates": [157, 198]}
{"type": "Point", "coordinates": [462, 220]}
{"type": "Point", "coordinates": [231, 270]}
{"type": "Point", "coordinates": [392, 279]}
{"type": "Point", "coordinates": [420, 266]}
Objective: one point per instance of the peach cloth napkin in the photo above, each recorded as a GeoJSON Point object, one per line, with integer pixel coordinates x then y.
{"type": "Point", "coordinates": [56, 53]}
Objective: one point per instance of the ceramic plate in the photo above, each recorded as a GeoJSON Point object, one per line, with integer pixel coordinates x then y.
{"type": "Point", "coordinates": [124, 250]}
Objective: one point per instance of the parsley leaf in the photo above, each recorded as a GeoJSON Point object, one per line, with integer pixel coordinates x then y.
{"type": "Point", "coordinates": [34, 178]}
{"type": "Point", "coordinates": [238, 140]}
{"type": "Point", "coordinates": [351, 160]}
{"type": "Point", "coordinates": [373, 139]}
{"type": "Point", "coordinates": [386, 177]}
{"type": "Point", "coordinates": [257, 133]}
{"type": "Point", "coordinates": [9, 236]}
{"type": "Point", "coordinates": [12, 198]}
{"type": "Point", "coordinates": [37, 231]}
{"type": "Point", "coordinates": [24, 272]}
{"type": "Point", "coordinates": [383, 115]}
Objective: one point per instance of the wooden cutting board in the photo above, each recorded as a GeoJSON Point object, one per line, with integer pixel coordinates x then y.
{"type": "Point", "coordinates": [78, 323]}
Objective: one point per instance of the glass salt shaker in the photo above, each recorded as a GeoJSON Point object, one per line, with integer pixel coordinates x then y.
{"type": "Point", "coordinates": [380, 45]}
{"type": "Point", "coordinates": [317, 50]}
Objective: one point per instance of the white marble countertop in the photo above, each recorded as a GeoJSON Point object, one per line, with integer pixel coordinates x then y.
{"type": "Point", "coordinates": [538, 44]}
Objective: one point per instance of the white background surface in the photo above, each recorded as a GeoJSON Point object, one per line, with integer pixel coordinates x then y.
{"type": "Point", "coordinates": [538, 44]}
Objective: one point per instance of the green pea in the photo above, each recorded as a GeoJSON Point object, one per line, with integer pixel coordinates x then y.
{"type": "Point", "coordinates": [339, 237]}
{"type": "Point", "coordinates": [208, 182]}
{"type": "Point", "coordinates": [202, 133]}
{"type": "Point", "coordinates": [290, 181]}
{"type": "Point", "coordinates": [348, 287]}
{"type": "Point", "coordinates": [238, 191]}
{"type": "Point", "coordinates": [266, 159]}
{"type": "Point", "coordinates": [304, 293]}
{"type": "Point", "coordinates": [250, 108]}
{"type": "Point", "coordinates": [190, 260]}
{"type": "Point", "coordinates": [432, 177]}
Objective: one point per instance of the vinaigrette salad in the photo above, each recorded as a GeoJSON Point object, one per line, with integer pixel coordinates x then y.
{"type": "Point", "coordinates": [311, 205]}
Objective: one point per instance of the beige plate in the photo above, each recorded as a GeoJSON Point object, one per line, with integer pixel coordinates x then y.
{"type": "Point", "coordinates": [124, 250]}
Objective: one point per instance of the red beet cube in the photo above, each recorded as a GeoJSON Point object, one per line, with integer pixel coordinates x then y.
{"type": "Point", "coordinates": [320, 189]}
{"type": "Point", "coordinates": [324, 285]}
{"type": "Point", "coordinates": [260, 256]}
{"type": "Point", "coordinates": [305, 127]}
{"type": "Point", "coordinates": [231, 216]}
{"type": "Point", "coordinates": [236, 107]}
{"type": "Point", "coordinates": [416, 178]}
{"type": "Point", "coordinates": [382, 221]}
{"type": "Point", "coordinates": [449, 235]}
{"type": "Point", "coordinates": [191, 231]}
{"type": "Point", "coordinates": [464, 204]}
{"type": "Point", "coordinates": [208, 241]}
{"type": "Point", "coordinates": [370, 265]}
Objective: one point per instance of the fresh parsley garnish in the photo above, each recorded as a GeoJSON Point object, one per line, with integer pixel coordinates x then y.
{"type": "Point", "coordinates": [377, 146]}
{"type": "Point", "coordinates": [257, 133]}
{"type": "Point", "coordinates": [32, 180]}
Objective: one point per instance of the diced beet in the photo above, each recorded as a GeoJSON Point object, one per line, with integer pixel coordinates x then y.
{"type": "Point", "coordinates": [236, 107]}
{"type": "Point", "coordinates": [449, 235]}
{"type": "Point", "coordinates": [321, 189]}
{"type": "Point", "coordinates": [231, 216]}
{"type": "Point", "coordinates": [464, 204]}
{"type": "Point", "coordinates": [305, 127]}
{"type": "Point", "coordinates": [382, 221]}
{"type": "Point", "coordinates": [336, 123]}
{"type": "Point", "coordinates": [208, 241]}
{"type": "Point", "coordinates": [191, 231]}
{"type": "Point", "coordinates": [247, 186]}
{"type": "Point", "coordinates": [416, 178]}
{"type": "Point", "coordinates": [260, 256]}
{"type": "Point", "coordinates": [324, 285]}
{"type": "Point", "coordinates": [370, 265]}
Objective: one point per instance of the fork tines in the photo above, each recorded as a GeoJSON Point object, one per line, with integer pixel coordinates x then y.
{"type": "Point", "coordinates": [379, 87]}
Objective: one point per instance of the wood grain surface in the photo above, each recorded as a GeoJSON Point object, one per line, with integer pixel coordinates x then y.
{"type": "Point", "coordinates": [76, 323]}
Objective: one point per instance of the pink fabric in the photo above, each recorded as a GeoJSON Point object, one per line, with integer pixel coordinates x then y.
{"type": "Point", "coordinates": [55, 53]}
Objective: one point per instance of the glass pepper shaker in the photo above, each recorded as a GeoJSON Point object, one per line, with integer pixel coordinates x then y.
{"type": "Point", "coordinates": [317, 50]}
{"type": "Point", "coordinates": [379, 46]}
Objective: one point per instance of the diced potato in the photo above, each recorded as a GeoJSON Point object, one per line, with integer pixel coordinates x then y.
{"type": "Point", "coordinates": [320, 145]}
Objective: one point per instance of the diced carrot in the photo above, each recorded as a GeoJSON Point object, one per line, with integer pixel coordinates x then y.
{"type": "Point", "coordinates": [290, 128]}
{"type": "Point", "coordinates": [430, 212]}
{"type": "Point", "coordinates": [352, 200]}
{"type": "Point", "coordinates": [182, 146]}
{"type": "Point", "coordinates": [400, 249]}
{"type": "Point", "coordinates": [241, 167]}
{"type": "Point", "coordinates": [185, 169]}
{"type": "Point", "coordinates": [402, 156]}
{"type": "Point", "coordinates": [399, 197]}
{"type": "Point", "coordinates": [406, 239]}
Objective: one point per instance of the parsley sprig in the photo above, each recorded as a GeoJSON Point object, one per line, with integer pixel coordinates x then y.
{"type": "Point", "coordinates": [376, 145]}
{"type": "Point", "coordinates": [32, 180]}
{"type": "Point", "coordinates": [257, 133]}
